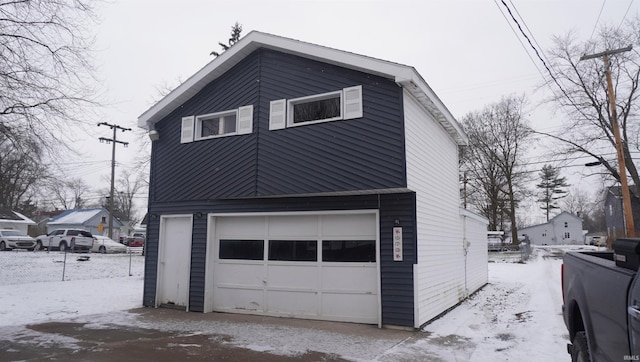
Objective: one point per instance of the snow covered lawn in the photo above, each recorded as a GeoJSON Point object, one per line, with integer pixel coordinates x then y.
{"type": "Point", "coordinates": [516, 317]}
{"type": "Point", "coordinates": [32, 290]}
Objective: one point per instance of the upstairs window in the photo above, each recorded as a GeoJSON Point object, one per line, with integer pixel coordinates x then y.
{"type": "Point", "coordinates": [338, 105]}
{"type": "Point", "coordinates": [216, 124]}
{"type": "Point", "coordinates": [219, 124]}
{"type": "Point", "coordinates": [319, 108]}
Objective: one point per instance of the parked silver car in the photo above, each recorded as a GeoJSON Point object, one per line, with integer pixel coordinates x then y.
{"type": "Point", "coordinates": [104, 245]}
{"type": "Point", "coordinates": [15, 239]}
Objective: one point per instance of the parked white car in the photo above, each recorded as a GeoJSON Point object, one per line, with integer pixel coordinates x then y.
{"type": "Point", "coordinates": [15, 239]}
{"type": "Point", "coordinates": [105, 245]}
{"type": "Point", "coordinates": [65, 239]}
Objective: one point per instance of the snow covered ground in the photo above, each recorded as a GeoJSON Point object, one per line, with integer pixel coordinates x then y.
{"type": "Point", "coordinates": [516, 317]}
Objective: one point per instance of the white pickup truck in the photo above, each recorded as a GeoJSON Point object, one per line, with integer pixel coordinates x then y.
{"type": "Point", "coordinates": [65, 239]}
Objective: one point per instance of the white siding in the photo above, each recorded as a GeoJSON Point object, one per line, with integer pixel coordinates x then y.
{"type": "Point", "coordinates": [542, 234]}
{"type": "Point", "coordinates": [432, 172]}
{"type": "Point", "coordinates": [553, 231]}
{"type": "Point", "coordinates": [23, 228]}
{"type": "Point", "coordinates": [477, 259]}
{"type": "Point", "coordinates": [574, 228]}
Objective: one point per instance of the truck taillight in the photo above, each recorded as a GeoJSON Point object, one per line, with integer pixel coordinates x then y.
{"type": "Point", "coordinates": [73, 239]}
{"type": "Point", "coordinates": [562, 280]}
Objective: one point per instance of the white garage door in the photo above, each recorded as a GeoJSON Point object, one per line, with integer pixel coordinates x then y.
{"type": "Point", "coordinates": [303, 266]}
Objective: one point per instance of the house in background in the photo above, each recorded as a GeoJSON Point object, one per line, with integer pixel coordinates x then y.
{"type": "Point", "coordinates": [96, 221]}
{"type": "Point", "coordinates": [41, 218]}
{"type": "Point", "coordinates": [563, 229]}
{"type": "Point", "coordinates": [291, 179]}
{"type": "Point", "coordinates": [614, 213]}
{"type": "Point", "coordinates": [14, 220]}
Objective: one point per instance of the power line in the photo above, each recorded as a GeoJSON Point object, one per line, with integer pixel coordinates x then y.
{"type": "Point", "coordinates": [595, 26]}
{"type": "Point", "coordinates": [625, 14]}
{"type": "Point", "coordinates": [516, 34]}
{"type": "Point", "coordinates": [553, 77]}
{"type": "Point", "coordinates": [529, 30]}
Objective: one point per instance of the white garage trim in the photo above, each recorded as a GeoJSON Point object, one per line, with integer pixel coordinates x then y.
{"type": "Point", "coordinates": [275, 283]}
{"type": "Point", "coordinates": [174, 260]}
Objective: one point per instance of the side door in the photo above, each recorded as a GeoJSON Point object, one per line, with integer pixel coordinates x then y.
{"type": "Point", "coordinates": [174, 261]}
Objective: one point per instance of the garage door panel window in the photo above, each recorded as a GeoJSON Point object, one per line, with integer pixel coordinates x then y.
{"type": "Point", "coordinates": [293, 250]}
{"type": "Point", "coordinates": [242, 249]}
{"type": "Point", "coordinates": [349, 251]}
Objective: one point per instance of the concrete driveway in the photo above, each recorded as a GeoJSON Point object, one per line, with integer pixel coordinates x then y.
{"type": "Point", "coordinates": [149, 334]}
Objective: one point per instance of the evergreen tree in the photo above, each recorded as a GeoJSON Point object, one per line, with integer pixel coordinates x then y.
{"type": "Point", "coordinates": [551, 188]}
{"type": "Point", "coordinates": [236, 30]}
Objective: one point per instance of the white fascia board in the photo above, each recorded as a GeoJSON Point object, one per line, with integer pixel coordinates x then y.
{"type": "Point", "coordinates": [419, 88]}
{"type": "Point", "coordinates": [246, 46]}
{"type": "Point", "coordinates": [192, 85]}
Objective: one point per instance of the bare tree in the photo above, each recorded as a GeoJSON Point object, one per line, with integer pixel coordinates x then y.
{"type": "Point", "coordinates": [68, 194]}
{"type": "Point", "coordinates": [498, 137]}
{"type": "Point", "coordinates": [588, 206]}
{"type": "Point", "coordinates": [484, 183]}
{"type": "Point", "coordinates": [45, 71]}
{"type": "Point", "coordinates": [21, 168]}
{"type": "Point", "coordinates": [130, 185]}
{"type": "Point", "coordinates": [583, 96]}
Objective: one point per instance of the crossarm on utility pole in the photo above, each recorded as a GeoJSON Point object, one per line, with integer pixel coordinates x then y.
{"type": "Point", "coordinates": [626, 195]}
{"type": "Point", "coordinates": [113, 140]}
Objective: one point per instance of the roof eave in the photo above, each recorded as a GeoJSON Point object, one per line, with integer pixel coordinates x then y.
{"type": "Point", "coordinates": [419, 88]}
{"type": "Point", "coordinates": [403, 75]}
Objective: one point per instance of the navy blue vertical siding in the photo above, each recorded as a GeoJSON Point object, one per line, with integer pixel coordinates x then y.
{"type": "Point", "coordinates": [357, 154]}
{"type": "Point", "coordinates": [198, 263]}
{"type": "Point", "coordinates": [151, 261]}
{"type": "Point", "coordinates": [214, 168]}
{"type": "Point", "coordinates": [396, 277]}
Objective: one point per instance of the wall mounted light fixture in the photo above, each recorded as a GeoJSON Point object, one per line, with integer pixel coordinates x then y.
{"type": "Point", "coordinates": [154, 135]}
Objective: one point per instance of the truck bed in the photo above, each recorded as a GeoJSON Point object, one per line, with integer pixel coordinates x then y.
{"type": "Point", "coordinates": [596, 290]}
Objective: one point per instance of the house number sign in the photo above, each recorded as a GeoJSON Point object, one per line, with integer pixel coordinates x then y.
{"type": "Point", "coordinates": [397, 244]}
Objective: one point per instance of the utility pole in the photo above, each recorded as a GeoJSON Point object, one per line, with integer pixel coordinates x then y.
{"type": "Point", "coordinates": [113, 140]}
{"type": "Point", "coordinates": [626, 195]}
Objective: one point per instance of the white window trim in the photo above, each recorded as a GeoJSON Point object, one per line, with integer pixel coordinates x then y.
{"type": "Point", "coordinates": [315, 97]}
{"type": "Point", "coordinates": [281, 110]}
{"type": "Point", "coordinates": [199, 119]}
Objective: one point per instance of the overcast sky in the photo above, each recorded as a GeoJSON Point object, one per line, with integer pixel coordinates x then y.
{"type": "Point", "coordinates": [465, 50]}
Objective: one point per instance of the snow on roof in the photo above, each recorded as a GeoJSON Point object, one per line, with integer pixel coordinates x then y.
{"type": "Point", "coordinates": [404, 75]}
{"type": "Point", "coordinates": [14, 217]}
{"type": "Point", "coordinates": [75, 216]}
